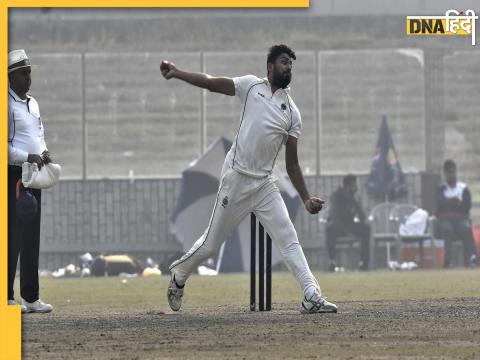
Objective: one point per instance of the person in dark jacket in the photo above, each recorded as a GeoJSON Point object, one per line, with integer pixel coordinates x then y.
{"type": "Point", "coordinates": [453, 203]}
{"type": "Point", "coordinates": [346, 218]}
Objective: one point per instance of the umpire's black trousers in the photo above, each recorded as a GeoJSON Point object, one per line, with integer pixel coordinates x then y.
{"type": "Point", "coordinates": [23, 240]}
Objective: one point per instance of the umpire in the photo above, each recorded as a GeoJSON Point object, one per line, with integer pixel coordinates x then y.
{"type": "Point", "coordinates": [26, 143]}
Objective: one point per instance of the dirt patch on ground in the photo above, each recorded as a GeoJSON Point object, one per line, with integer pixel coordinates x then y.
{"type": "Point", "coordinates": [442, 329]}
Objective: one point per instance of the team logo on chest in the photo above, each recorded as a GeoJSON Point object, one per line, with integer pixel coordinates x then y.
{"type": "Point", "coordinates": [284, 107]}
{"type": "Point", "coordinates": [225, 202]}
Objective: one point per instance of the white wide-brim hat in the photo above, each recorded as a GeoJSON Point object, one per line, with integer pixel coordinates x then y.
{"type": "Point", "coordinates": [17, 59]}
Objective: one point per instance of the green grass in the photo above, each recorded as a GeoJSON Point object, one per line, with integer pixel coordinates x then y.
{"type": "Point", "coordinates": [121, 293]}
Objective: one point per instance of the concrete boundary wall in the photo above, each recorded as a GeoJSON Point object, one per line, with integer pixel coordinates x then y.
{"type": "Point", "coordinates": [133, 216]}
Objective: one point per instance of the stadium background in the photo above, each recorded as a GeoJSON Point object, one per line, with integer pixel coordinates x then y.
{"type": "Point", "coordinates": [123, 135]}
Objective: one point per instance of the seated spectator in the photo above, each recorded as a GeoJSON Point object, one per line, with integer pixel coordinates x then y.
{"type": "Point", "coordinates": [345, 209]}
{"type": "Point", "coordinates": [453, 203]}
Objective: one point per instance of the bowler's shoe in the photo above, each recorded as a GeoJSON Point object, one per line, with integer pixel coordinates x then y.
{"type": "Point", "coordinates": [175, 294]}
{"type": "Point", "coordinates": [317, 304]}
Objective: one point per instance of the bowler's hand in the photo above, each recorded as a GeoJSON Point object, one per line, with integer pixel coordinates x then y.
{"type": "Point", "coordinates": [314, 205]}
{"type": "Point", "coordinates": [167, 69]}
{"type": "Point", "coordinates": [35, 158]}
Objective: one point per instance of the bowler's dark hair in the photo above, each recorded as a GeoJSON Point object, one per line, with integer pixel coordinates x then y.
{"type": "Point", "coordinates": [349, 179]}
{"type": "Point", "coordinates": [277, 50]}
{"type": "Point", "coordinates": [449, 165]}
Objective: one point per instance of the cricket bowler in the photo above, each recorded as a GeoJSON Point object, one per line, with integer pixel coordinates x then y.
{"type": "Point", "coordinates": [268, 119]}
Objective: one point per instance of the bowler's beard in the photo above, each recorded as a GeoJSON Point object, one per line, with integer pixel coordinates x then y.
{"type": "Point", "coordinates": [281, 80]}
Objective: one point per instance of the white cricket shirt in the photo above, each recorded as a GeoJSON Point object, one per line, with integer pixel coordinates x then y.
{"type": "Point", "coordinates": [25, 129]}
{"type": "Point", "coordinates": [266, 121]}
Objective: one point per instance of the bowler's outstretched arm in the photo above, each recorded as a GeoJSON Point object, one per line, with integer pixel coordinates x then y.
{"type": "Point", "coordinates": [222, 85]}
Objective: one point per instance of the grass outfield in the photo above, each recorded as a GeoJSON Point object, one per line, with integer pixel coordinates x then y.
{"type": "Point", "coordinates": [419, 314]}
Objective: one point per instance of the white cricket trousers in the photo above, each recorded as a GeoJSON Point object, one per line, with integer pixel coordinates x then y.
{"type": "Point", "coordinates": [237, 197]}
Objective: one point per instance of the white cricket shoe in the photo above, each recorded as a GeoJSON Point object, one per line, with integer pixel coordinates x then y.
{"type": "Point", "coordinates": [317, 304]}
{"type": "Point", "coordinates": [37, 307]}
{"type": "Point", "coordinates": [175, 294]}
{"type": "Point", "coordinates": [23, 307]}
